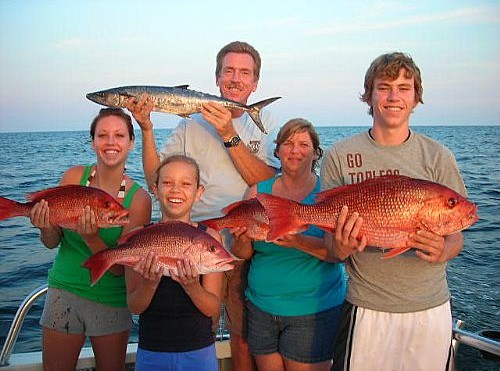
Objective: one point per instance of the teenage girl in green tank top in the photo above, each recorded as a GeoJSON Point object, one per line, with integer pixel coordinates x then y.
{"type": "Point", "coordinates": [73, 309]}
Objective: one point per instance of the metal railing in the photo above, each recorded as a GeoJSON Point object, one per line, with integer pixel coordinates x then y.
{"type": "Point", "coordinates": [459, 336]}
{"type": "Point", "coordinates": [17, 323]}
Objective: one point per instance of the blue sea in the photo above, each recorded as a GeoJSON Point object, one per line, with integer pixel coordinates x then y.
{"type": "Point", "coordinates": [37, 160]}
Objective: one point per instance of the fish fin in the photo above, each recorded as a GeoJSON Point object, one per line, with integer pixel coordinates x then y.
{"type": "Point", "coordinates": [281, 217]}
{"type": "Point", "coordinates": [11, 209]}
{"type": "Point", "coordinates": [329, 193]}
{"type": "Point", "coordinates": [234, 205]}
{"type": "Point", "coordinates": [45, 193]}
{"type": "Point", "coordinates": [395, 252]}
{"type": "Point", "coordinates": [98, 264]}
{"type": "Point", "coordinates": [254, 112]}
{"type": "Point", "coordinates": [181, 86]}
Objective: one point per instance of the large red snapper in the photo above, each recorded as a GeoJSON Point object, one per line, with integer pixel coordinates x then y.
{"type": "Point", "coordinates": [66, 204]}
{"type": "Point", "coordinates": [392, 208]}
{"type": "Point", "coordinates": [247, 213]}
{"type": "Point", "coordinates": [171, 241]}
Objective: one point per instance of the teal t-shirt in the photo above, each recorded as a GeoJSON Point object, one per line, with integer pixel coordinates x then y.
{"type": "Point", "coordinates": [288, 282]}
{"type": "Point", "coordinates": [68, 274]}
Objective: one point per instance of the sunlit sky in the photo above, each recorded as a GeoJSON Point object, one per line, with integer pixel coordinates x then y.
{"type": "Point", "coordinates": [314, 55]}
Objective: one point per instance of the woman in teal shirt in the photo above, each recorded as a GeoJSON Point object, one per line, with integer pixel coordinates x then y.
{"type": "Point", "coordinates": [73, 309]}
{"type": "Point", "coordinates": [295, 288]}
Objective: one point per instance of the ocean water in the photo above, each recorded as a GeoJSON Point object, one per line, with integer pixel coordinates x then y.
{"type": "Point", "coordinates": [37, 160]}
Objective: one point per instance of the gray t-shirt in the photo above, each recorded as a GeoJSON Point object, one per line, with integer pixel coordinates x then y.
{"type": "Point", "coordinates": [405, 283]}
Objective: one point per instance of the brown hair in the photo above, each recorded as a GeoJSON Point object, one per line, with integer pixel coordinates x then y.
{"type": "Point", "coordinates": [118, 112]}
{"type": "Point", "coordinates": [178, 158]}
{"type": "Point", "coordinates": [388, 66]}
{"type": "Point", "coordinates": [239, 47]}
{"type": "Point", "coordinates": [299, 125]}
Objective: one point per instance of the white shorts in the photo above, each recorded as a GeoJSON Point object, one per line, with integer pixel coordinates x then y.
{"type": "Point", "coordinates": [382, 341]}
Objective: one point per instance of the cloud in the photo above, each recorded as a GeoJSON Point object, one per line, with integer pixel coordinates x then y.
{"type": "Point", "coordinates": [482, 15]}
{"type": "Point", "coordinates": [73, 43]}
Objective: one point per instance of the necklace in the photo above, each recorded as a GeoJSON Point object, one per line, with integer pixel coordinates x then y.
{"type": "Point", "coordinates": [371, 136]}
{"type": "Point", "coordinates": [121, 191]}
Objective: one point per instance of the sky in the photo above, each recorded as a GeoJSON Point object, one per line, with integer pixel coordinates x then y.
{"type": "Point", "coordinates": [314, 55]}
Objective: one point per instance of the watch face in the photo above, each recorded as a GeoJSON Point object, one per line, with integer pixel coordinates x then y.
{"type": "Point", "coordinates": [233, 142]}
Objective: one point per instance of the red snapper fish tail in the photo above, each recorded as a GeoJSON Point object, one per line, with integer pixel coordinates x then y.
{"type": "Point", "coordinates": [11, 209]}
{"type": "Point", "coordinates": [283, 216]}
{"type": "Point", "coordinates": [100, 262]}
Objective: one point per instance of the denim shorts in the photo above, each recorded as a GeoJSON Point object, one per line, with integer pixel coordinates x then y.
{"type": "Point", "coordinates": [204, 359]}
{"type": "Point", "coordinates": [71, 314]}
{"type": "Point", "coordinates": [304, 339]}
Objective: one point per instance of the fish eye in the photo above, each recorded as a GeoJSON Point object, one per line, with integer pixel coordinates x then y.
{"type": "Point", "coordinates": [212, 248]}
{"type": "Point", "coordinates": [107, 204]}
{"type": "Point", "coordinates": [452, 202]}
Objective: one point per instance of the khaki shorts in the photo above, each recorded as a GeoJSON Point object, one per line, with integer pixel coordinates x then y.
{"type": "Point", "coordinates": [71, 314]}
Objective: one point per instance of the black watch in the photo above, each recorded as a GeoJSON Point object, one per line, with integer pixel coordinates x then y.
{"type": "Point", "coordinates": [233, 142]}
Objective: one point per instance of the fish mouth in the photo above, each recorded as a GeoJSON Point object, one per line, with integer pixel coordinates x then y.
{"type": "Point", "coordinates": [224, 265]}
{"type": "Point", "coordinates": [94, 97]}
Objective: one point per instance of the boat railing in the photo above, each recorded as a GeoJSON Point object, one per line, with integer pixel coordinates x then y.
{"type": "Point", "coordinates": [17, 323]}
{"type": "Point", "coordinates": [460, 336]}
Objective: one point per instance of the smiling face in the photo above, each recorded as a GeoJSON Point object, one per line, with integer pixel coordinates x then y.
{"type": "Point", "coordinates": [236, 79]}
{"type": "Point", "coordinates": [297, 153]}
{"type": "Point", "coordinates": [177, 190]}
{"type": "Point", "coordinates": [112, 141]}
{"type": "Point", "coordinates": [393, 101]}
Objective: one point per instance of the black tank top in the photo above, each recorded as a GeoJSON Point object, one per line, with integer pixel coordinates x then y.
{"type": "Point", "coordinates": [172, 323]}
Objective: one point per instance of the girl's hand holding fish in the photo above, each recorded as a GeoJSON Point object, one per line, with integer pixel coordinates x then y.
{"type": "Point", "coordinates": [149, 268]}
{"type": "Point", "coordinates": [50, 234]}
{"type": "Point", "coordinates": [39, 215]}
{"type": "Point", "coordinates": [87, 225]}
{"type": "Point", "coordinates": [187, 275]}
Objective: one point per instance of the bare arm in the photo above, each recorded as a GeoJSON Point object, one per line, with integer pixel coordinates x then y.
{"type": "Point", "coordinates": [50, 235]}
{"type": "Point", "coordinates": [141, 110]}
{"type": "Point", "coordinates": [205, 294]}
{"type": "Point", "coordinates": [251, 168]}
{"type": "Point", "coordinates": [313, 246]}
{"type": "Point", "coordinates": [142, 281]}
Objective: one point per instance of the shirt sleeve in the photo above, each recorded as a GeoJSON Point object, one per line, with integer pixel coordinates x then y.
{"type": "Point", "coordinates": [330, 175]}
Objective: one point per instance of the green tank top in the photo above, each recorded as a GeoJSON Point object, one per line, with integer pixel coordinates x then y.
{"type": "Point", "coordinates": [68, 274]}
